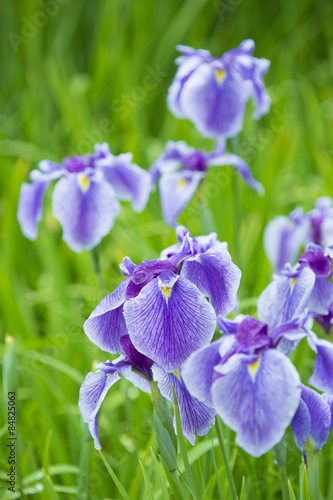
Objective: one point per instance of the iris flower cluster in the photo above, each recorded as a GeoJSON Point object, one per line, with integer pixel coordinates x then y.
{"type": "Point", "coordinates": [160, 322]}
{"type": "Point", "coordinates": [157, 317]}
{"type": "Point", "coordinates": [212, 92]}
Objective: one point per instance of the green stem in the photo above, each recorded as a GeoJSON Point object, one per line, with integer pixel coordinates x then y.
{"type": "Point", "coordinates": [236, 202]}
{"type": "Point", "coordinates": [284, 482]}
{"type": "Point", "coordinates": [94, 259]}
{"type": "Point", "coordinates": [280, 456]}
{"type": "Point", "coordinates": [228, 471]}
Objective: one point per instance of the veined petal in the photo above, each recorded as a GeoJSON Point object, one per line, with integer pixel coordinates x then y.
{"type": "Point", "coordinates": [285, 298]}
{"type": "Point", "coordinates": [198, 372]}
{"type": "Point", "coordinates": [322, 377]}
{"type": "Point", "coordinates": [168, 323]}
{"type": "Point", "coordinates": [321, 297]}
{"type": "Point", "coordinates": [283, 239]}
{"type": "Point", "coordinates": [320, 420]}
{"type": "Point", "coordinates": [92, 394]}
{"type": "Point", "coordinates": [196, 417]}
{"type": "Point", "coordinates": [176, 190]}
{"type": "Point", "coordinates": [258, 400]}
{"type": "Point", "coordinates": [301, 425]}
{"type": "Point", "coordinates": [216, 276]}
{"type": "Point", "coordinates": [86, 212]}
{"type": "Point", "coordinates": [130, 183]}
{"type": "Point", "coordinates": [106, 324]}
{"type": "Point", "coordinates": [241, 166]}
{"type": "Point", "coordinates": [216, 106]}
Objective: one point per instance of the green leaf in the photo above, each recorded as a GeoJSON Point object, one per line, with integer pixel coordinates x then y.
{"type": "Point", "coordinates": [305, 494]}
{"type": "Point", "coordinates": [164, 430]}
{"type": "Point", "coordinates": [147, 483]}
{"type": "Point", "coordinates": [242, 495]}
{"type": "Point", "coordinates": [228, 471]}
{"type": "Point", "coordinates": [47, 480]}
{"type": "Point", "coordinates": [160, 475]}
{"type": "Point", "coordinates": [114, 478]}
{"type": "Point", "coordinates": [291, 492]}
{"type": "Point", "coordinates": [174, 482]}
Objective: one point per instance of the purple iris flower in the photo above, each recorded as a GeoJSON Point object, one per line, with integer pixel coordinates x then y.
{"type": "Point", "coordinates": [213, 92]}
{"type": "Point", "coordinates": [85, 199]}
{"type": "Point", "coordinates": [180, 170]}
{"type": "Point", "coordinates": [196, 418]}
{"type": "Point", "coordinates": [285, 235]}
{"type": "Point", "coordinates": [312, 422]}
{"type": "Point", "coordinates": [162, 303]}
{"type": "Point", "coordinates": [253, 386]}
{"type": "Point", "coordinates": [290, 299]}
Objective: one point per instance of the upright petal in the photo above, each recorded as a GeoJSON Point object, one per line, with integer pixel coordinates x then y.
{"type": "Point", "coordinates": [196, 417]}
{"type": "Point", "coordinates": [216, 276]}
{"type": "Point", "coordinates": [258, 399]}
{"type": "Point", "coordinates": [167, 322]}
{"type": "Point", "coordinates": [106, 324]}
{"type": "Point", "coordinates": [176, 190]}
{"type": "Point", "coordinates": [313, 406]}
{"type": "Point", "coordinates": [285, 298]}
{"type": "Point", "coordinates": [283, 239]}
{"type": "Point", "coordinates": [86, 210]}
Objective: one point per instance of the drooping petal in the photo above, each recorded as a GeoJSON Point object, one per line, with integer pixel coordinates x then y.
{"type": "Point", "coordinates": [321, 297]}
{"type": "Point", "coordinates": [198, 372]}
{"type": "Point", "coordinates": [196, 417]}
{"type": "Point", "coordinates": [130, 182]}
{"type": "Point", "coordinates": [92, 394]}
{"type": "Point", "coordinates": [29, 212]}
{"type": "Point", "coordinates": [85, 210]}
{"type": "Point", "coordinates": [176, 190]}
{"type": "Point", "coordinates": [258, 399]}
{"type": "Point", "coordinates": [214, 99]}
{"type": "Point", "coordinates": [168, 321]}
{"type": "Point", "coordinates": [136, 379]}
{"type": "Point", "coordinates": [106, 324]}
{"type": "Point", "coordinates": [216, 276]}
{"type": "Point", "coordinates": [322, 377]}
{"type": "Point", "coordinates": [241, 166]}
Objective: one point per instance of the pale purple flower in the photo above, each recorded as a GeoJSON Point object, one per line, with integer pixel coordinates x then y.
{"type": "Point", "coordinates": [85, 198]}
{"type": "Point", "coordinates": [212, 92]}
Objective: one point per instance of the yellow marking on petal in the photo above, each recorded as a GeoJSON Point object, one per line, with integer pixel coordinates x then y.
{"type": "Point", "coordinates": [84, 182]}
{"type": "Point", "coordinates": [166, 291]}
{"type": "Point", "coordinates": [253, 368]}
{"type": "Point", "coordinates": [220, 75]}
{"type": "Point", "coordinates": [293, 283]}
{"type": "Point", "coordinates": [176, 372]}
{"type": "Point", "coordinates": [182, 183]}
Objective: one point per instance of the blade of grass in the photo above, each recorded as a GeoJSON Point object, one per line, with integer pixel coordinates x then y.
{"type": "Point", "coordinates": [147, 483]}
{"type": "Point", "coordinates": [160, 476]}
{"type": "Point", "coordinates": [217, 475]}
{"type": "Point", "coordinates": [48, 483]}
{"type": "Point", "coordinates": [174, 482]}
{"type": "Point", "coordinates": [291, 492]}
{"type": "Point", "coordinates": [305, 494]}
{"type": "Point", "coordinates": [242, 495]}
{"type": "Point", "coordinates": [228, 471]}
{"type": "Point", "coordinates": [114, 478]}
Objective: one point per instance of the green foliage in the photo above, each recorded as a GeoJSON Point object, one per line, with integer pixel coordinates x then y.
{"type": "Point", "coordinates": [77, 78]}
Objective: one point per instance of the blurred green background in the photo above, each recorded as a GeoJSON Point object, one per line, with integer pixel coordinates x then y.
{"type": "Point", "coordinates": [74, 73]}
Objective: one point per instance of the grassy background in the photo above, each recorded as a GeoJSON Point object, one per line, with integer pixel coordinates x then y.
{"type": "Point", "coordinates": [76, 76]}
